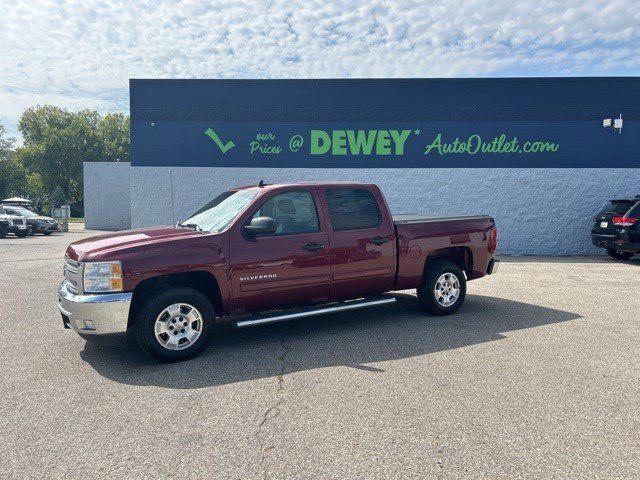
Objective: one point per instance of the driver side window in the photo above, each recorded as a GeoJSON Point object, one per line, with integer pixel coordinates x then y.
{"type": "Point", "coordinates": [293, 212]}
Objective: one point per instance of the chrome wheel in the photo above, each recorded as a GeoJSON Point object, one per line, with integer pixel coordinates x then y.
{"type": "Point", "coordinates": [447, 289]}
{"type": "Point", "coordinates": [178, 326]}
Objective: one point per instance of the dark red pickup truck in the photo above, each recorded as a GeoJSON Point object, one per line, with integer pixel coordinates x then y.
{"type": "Point", "coordinates": [268, 253]}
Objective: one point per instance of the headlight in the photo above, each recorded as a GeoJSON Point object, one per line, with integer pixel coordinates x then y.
{"type": "Point", "coordinates": [10, 221]}
{"type": "Point", "coordinates": [102, 277]}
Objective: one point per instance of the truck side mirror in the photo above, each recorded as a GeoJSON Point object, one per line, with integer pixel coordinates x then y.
{"type": "Point", "coordinates": [260, 226]}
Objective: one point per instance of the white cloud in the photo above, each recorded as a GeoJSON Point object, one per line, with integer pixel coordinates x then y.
{"type": "Point", "coordinates": [82, 54]}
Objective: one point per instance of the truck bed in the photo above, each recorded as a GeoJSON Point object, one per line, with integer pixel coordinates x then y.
{"type": "Point", "coordinates": [404, 219]}
{"type": "Point", "coordinates": [421, 236]}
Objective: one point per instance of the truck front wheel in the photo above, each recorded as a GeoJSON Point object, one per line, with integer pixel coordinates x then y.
{"type": "Point", "coordinates": [443, 288]}
{"type": "Point", "coordinates": [174, 324]}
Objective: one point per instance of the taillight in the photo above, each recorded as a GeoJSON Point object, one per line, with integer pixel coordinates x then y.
{"type": "Point", "coordinates": [492, 244]}
{"type": "Point", "coordinates": [624, 221]}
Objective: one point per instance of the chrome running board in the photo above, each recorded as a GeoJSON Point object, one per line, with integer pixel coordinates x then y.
{"type": "Point", "coordinates": [312, 312]}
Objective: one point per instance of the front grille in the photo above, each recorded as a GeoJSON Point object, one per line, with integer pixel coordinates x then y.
{"type": "Point", "coordinates": [73, 274]}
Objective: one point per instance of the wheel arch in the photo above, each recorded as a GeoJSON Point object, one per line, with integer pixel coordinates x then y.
{"type": "Point", "coordinates": [201, 281]}
{"type": "Point", "coordinates": [461, 256]}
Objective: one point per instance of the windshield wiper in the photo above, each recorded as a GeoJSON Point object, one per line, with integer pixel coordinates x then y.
{"type": "Point", "coordinates": [194, 226]}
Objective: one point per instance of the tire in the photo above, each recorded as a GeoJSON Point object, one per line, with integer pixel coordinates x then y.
{"type": "Point", "coordinates": [445, 276]}
{"type": "Point", "coordinates": [155, 308]}
{"type": "Point", "coordinates": [21, 234]}
{"type": "Point", "coordinates": [32, 231]}
{"type": "Point", "coordinates": [3, 231]}
{"type": "Point", "coordinates": [618, 255]}
{"type": "Point", "coordinates": [47, 233]}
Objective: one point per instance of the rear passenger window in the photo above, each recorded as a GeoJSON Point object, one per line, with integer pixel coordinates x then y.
{"type": "Point", "coordinates": [352, 209]}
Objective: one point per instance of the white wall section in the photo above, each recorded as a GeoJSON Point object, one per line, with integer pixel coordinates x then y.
{"type": "Point", "coordinates": [107, 195]}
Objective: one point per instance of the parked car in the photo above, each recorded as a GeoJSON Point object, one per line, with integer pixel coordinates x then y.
{"type": "Point", "coordinates": [616, 228]}
{"type": "Point", "coordinates": [264, 254]}
{"type": "Point", "coordinates": [12, 224]}
{"type": "Point", "coordinates": [35, 223]}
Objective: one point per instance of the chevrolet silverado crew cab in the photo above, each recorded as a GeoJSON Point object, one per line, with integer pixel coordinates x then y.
{"type": "Point", "coordinates": [268, 253]}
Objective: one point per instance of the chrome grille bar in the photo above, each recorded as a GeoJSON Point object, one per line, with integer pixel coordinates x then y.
{"type": "Point", "coordinates": [73, 274]}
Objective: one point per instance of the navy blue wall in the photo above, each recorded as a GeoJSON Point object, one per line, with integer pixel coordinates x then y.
{"type": "Point", "coordinates": [169, 119]}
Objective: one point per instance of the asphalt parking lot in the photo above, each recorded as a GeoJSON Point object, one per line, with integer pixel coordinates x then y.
{"type": "Point", "coordinates": [538, 376]}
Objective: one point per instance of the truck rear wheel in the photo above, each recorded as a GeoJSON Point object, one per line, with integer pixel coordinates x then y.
{"type": "Point", "coordinates": [174, 324]}
{"type": "Point", "coordinates": [443, 288]}
{"type": "Point", "coordinates": [618, 255]}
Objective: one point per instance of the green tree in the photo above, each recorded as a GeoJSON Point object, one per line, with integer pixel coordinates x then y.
{"type": "Point", "coordinates": [6, 143]}
{"type": "Point", "coordinates": [114, 129]}
{"type": "Point", "coordinates": [56, 143]}
{"type": "Point", "coordinates": [12, 177]}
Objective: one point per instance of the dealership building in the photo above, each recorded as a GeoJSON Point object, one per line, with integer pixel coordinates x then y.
{"type": "Point", "coordinates": [541, 155]}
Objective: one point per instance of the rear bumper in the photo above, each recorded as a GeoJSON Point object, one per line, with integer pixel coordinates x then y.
{"type": "Point", "coordinates": [493, 266]}
{"type": "Point", "coordinates": [619, 242]}
{"type": "Point", "coordinates": [604, 240]}
{"type": "Point", "coordinates": [104, 314]}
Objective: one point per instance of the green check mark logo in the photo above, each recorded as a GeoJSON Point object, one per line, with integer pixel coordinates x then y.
{"type": "Point", "coordinates": [224, 147]}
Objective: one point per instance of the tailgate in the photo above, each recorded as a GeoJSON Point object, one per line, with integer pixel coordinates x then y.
{"type": "Point", "coordinates": [603, 221]}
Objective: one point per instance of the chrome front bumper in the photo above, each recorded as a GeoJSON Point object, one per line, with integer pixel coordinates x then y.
{"type": "Point", "coordinates": [94, 314]}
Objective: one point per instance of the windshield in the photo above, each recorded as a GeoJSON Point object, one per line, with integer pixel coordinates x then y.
{"type": "Point", "coordinates": [24, 212]}
{"type": "Point", "coordinates": [216, 218]}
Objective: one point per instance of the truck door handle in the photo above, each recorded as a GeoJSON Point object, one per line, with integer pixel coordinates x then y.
{"type": "Point", "coordinates": [379, 240]}
{"type": "Point", "coordinates": [313, 247]}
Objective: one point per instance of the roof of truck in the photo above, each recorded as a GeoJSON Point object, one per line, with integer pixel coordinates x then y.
{"type": "Point", "coordinates": [305, 183]}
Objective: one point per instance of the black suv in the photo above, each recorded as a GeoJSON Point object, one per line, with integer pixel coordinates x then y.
{"type": "Point", "coordinates": [617, 228]}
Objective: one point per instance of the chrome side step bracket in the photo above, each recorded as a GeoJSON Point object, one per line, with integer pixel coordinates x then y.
{"type": "Point", "coordinates": [313, 312]}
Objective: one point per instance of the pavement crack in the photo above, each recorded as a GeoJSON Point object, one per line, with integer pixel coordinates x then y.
{"type": "Point", "coordinates": [274, 410]}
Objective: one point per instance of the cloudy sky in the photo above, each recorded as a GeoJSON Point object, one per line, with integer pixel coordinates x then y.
{"type": "Point", "coordinates": [81, 54]}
